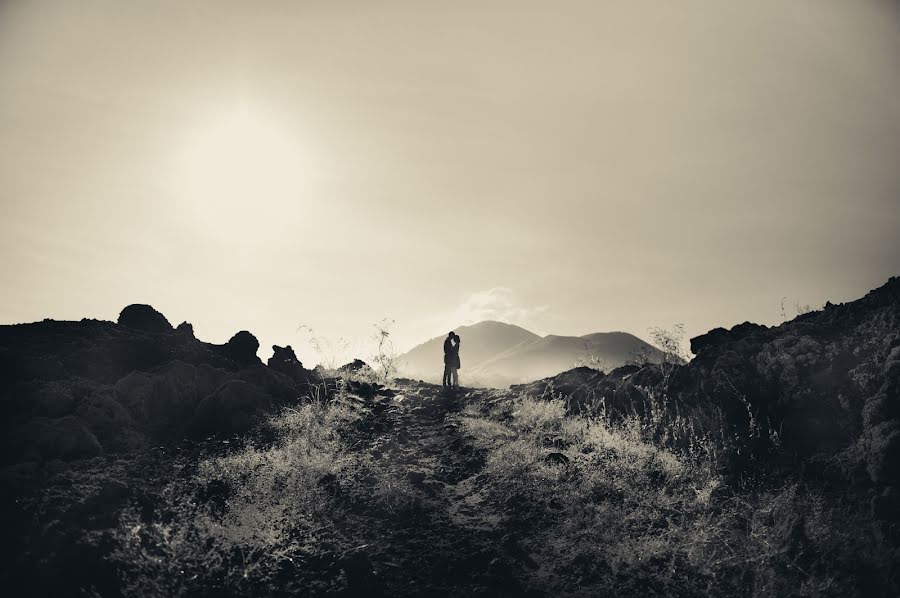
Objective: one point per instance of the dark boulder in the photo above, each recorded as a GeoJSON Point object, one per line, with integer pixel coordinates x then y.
{"type": "Point", "coordinates": [241, 349]}
{"type": "Point", "coordinates": [719, 336]}
{"type": "Point", "coordinates": [271, 382]}
{"type": "Point", "coordinates": [232, 409]}
{"type": "Point", "coordinates": [49, 399]}
{"type": "Point", "coordinates": [285, 361]}
{"type": "Point", "coordinates": [131, 354]}
{"type": "Point", "coordinates": [110, 421]}
{"type": "Point", "coordinates": [624, 371]}
{"type": "Point", "coordinates": [44, 439]}
{"type": "Point", "coordinates": [355, 366]}
{"type": "Point", "coordinates": [143, 317]}
{"type": "Point", "coordinates": [568, 383]}
{"type": "Point", "coordinates": [163, 401]}
{"type": "Point", "coordinates": [16, 366]}
{"type": "Point", "coordinates": [880, 446]}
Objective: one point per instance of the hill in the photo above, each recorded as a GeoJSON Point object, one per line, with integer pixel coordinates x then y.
{"type": "Point", "coordinates": [495, 354]}
{"type": "Point", "coordinates": [481, 342]}
{"type": "Point", "coordinates": [140, 461]}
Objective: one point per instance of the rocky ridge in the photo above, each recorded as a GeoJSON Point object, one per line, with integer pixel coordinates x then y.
{"type": "Point", "coordinates": [819, 394]}
{"type": "Point", "coordinates": [80, 389]}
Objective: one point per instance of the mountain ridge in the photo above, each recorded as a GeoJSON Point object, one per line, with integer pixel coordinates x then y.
{"type": "Point", "coordinates": [497, 354]}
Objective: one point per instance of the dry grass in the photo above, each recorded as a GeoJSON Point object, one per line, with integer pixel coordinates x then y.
{"type": "Point", "coordinates": [595, 506]}
{"type": "Point", "coordinates": [242, 515]}
{"type": "Point", "coordinates": [629, 515]}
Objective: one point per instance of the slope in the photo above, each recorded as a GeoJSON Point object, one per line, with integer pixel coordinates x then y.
{"type": "Point", "coordinates": [480, 342]}
{"type": "Point", "coordinates": [553, 354]}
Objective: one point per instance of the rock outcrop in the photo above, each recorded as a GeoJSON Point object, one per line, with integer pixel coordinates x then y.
{"type": "Point", "coordinates": [241, 349]}
{"type": "Point", "coordinates": [231, 409]}
{"type": "Point", "coordinates": [74, 390]}
{"type": "Point", "coordinates": [144, 317]}
{"type": "Point", "coordinates": [355, 366]}
{"type": "Point", "coordinates": [44, 439]}
{"type": "Point", "coordinates": [284, 360]}
{"type": "Point", "coordinates": [820, 393]}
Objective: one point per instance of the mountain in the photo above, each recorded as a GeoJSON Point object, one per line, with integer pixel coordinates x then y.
{"type": "Point", "coordinates": [480, 342]}
{"type": "Point", "coordinates": [498, 354]}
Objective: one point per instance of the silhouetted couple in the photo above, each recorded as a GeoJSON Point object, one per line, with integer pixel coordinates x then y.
{"type": "Point", "coordinates": [451, 360]}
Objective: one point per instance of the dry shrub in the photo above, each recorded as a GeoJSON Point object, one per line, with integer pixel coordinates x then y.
{"type": "Point", "coordinates": [535, 414]}
{"type": "Point", "coordinates": [631, 512]}
{"type": "Point", "coordinates": [242, 515]}
{"type": "Point", "coordinates": [277, 487]}
{"type": "Point", "coordinates": [623, 507]}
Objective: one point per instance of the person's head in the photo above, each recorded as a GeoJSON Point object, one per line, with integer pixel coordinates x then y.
{"type": "Point", "coordinates": [455, 336]}
{"type": "Point", "coordinates": [451, 335]}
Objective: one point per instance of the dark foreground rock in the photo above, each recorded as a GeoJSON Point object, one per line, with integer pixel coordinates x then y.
{"type": "Point", "coordinates": [73, 390]}
{"type": "Point", "coordinates": [819, 394]}
{"type": "Point", "coordinates": [88, 396]}
{"type": "Point", "coordinates": [284, 360]}
{"type": "Point", "coordinates": [144, 317]}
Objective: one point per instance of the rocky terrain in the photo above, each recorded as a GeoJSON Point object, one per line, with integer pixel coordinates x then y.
{"type": "Point", "coordinates": [82, 389]}
{"type": "Point", "coordinates": [138, 460]}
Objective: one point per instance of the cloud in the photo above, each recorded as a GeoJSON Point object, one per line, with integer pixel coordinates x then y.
{"type": "Point", "coordinates": [498, 303]}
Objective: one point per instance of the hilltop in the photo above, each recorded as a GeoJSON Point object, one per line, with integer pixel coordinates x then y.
{"type": "Point", "coordinates": [139, 460]}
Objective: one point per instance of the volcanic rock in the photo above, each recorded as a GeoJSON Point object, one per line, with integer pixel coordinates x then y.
{"type": "Point", "coordinates": [144, 317]}
{"type": "Point", "coordinates": [284, 360]}
{"type": "Point", "coordinates": [241, 348]}
{"type": "Point", "coordinates": [44, 439]}
{"type": "Point", "coordinates": [231, 409]}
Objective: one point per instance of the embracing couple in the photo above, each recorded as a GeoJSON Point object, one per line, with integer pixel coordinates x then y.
{"type": "Point", "coordinates": [451, 360]}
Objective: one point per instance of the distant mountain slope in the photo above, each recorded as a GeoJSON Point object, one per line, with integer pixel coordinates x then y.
{"type": "Point", "coordinates": [498, 354]}
{"type": "Point", "coordinates": [480, 342]}
{"type": "Point", "coordinates": [553, 354]}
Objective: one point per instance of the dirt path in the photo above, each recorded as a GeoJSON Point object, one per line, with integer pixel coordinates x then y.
{"type": "Point", "coordinates": [438, 538]}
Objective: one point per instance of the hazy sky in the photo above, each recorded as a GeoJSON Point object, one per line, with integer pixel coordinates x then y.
{"type": "Point", "coordinates": [569, 166]}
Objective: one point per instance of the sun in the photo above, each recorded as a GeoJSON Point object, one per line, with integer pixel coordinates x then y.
{"type": "Point", "coordinates": [240, 169]}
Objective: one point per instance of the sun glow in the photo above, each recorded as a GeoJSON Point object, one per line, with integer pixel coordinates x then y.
{"type": "Point", "coordinates": [239, 169]}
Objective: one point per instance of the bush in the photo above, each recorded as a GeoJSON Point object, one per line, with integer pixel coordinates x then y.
{"type": "Point", "coordinates": [626, 512]}
{"type": "Point", "coordinates": [234, 522]}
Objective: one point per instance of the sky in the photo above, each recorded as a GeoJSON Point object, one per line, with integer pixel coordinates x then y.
{"type": "Point", "coordinates": [572, 167]}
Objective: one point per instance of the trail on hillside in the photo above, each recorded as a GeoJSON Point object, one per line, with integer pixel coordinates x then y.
{"type": "Point", "coordinates": [444, 539]}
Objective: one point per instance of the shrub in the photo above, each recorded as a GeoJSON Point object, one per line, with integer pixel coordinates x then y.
{"type": "Point", "coordinates": [535, 414]}
{"type": "Point", "coordinates": [240, 516]}
{"type": "Point", "coordinates": [630, 512]}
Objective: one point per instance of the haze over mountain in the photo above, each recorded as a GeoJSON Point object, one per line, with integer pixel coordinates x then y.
{"type": "Point", "coordinates": [499, 354]}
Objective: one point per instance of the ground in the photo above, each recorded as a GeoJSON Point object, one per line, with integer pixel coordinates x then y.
{"type": "Point", "coordinates": [139, 460]}
{"type": "Point", "coordinates": [416, 490]}
{"type": "Point", "coordinates": [412, 489]}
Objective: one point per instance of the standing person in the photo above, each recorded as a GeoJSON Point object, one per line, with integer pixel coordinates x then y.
{"type": "Point", "coordinates": [454, 361]}
{"type": "Point", "coordinates": [448, 357]}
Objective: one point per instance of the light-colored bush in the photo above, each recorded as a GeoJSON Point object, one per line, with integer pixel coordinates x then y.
{"type": "Point", "coordinates": [537, 414]}
{"type": "Point", "coordinates": [271, 506]}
